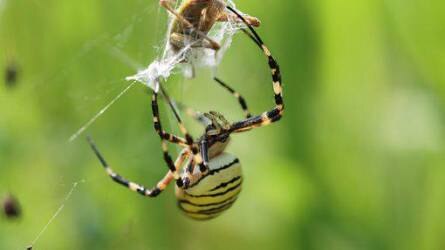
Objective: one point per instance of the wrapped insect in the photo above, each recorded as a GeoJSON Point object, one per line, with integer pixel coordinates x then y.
{"type": "Point", "coordinates": [199, 33]}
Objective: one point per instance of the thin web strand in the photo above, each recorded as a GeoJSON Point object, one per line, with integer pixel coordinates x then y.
{"type": "Point", "coordinates": [100, 113]}
{"type": "Point", "coordinates": [161, 69]}
{"type": "Point", "coordinates": [59, 210]}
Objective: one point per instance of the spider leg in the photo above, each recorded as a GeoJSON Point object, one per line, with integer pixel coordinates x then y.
{"type": "Point", "coordinates": [200, 117]}
{"type": "Point", "coordinates": [153, 192]}
{"type": "Point", "coordinates": [166, 137]}
{"type": "Point", "coordinates": [204, 147]}
{"type": "Point", "coordinates": [189, 139]}
{"type": "Point", "coordinates": [274, 114]}
{"type": "Point", "coordinates": [241, 99]}
{"type": "Point", "coordinates": [158, 127]}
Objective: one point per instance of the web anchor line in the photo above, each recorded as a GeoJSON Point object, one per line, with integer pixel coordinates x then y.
{"type": "Point", "coordinates": [58, 211]}
{"type": "Point", "coordinates": [100, 113]}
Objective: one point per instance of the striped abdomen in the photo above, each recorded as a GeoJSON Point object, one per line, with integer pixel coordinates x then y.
{"type": "Point", "coordinates": [214, 193]}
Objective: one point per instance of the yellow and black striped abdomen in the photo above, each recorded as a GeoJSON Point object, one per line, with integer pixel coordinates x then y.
{"type": "Point", "coordinates": [214, 193]}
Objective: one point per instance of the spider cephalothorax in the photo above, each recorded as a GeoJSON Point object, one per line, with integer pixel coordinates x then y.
{"type": "Point", "coordinates": [212, 143]}
{"type": "Point", "coordinates": [208, 180]}
{"type": "Point", "coordinates": [217, 134]}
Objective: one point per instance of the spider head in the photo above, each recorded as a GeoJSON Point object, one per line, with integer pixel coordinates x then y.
{"type": "Point", "coordinates": [217, 133]}
{"type": "Point", "coordinates": [217, 124]}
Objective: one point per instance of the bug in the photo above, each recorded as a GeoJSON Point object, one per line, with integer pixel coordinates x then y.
{"type": "Point", "coordinates": [195, 18]}
{"type": "Point", "coordinates": [11, 207]}
{"type": "Point", "coordinates": [11, 74]}
{"type": "Point", "coordinates": [208, 179]}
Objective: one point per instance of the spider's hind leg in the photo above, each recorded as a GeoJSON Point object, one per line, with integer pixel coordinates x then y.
{"type": "Point", "coordinates": [203, 167]}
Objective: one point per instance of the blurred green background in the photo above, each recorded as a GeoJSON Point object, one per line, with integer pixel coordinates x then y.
{"type": "Point", "coordinates": [356, 163]}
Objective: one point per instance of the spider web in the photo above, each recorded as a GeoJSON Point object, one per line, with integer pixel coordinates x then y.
{"type": "Point", "coordinates": [161, 69]}
{"type": "Point", "coordinates": [166, 64]}
{"type": "Point", "coordinates": [171, 62]}
{"type": "Point", "coordinates": [56, 214]}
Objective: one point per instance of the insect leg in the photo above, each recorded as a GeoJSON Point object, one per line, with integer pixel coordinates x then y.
{"type": "Point", "coordinates": [225, 17]}
{"type": "Point", "coordinates": [166, 4]}
{"type": "Point", "coordinates": [180, 40]}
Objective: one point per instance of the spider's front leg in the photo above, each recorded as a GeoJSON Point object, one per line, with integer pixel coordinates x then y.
{"type": "Point", "coordinates": [167, 137]}
{"type": "Point", "coordinates": [276, 113]}
{"type": "Point", "coordinates": [237, 95]}
{"type": "Point", "coordinates": [200, 117]}
{"type": "Point", "coordinates": [189, 139]}
{"type": "Point", "coordinates": [204, 147]}
{"type": "Point", "coordinates": [135, 187]}
{"type": "Point", "coordinates": [158, 127]}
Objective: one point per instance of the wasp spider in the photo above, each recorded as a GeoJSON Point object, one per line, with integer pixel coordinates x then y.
{"type": "Point", "coordinates": [208, 180]}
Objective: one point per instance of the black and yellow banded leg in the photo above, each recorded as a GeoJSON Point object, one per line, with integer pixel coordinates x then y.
{"type": "Point", "coordinates": [153, 192]}
{"type": "Point", "coordinates": [200, 117]}
{"type": "Point", "coordinates": [163, 135]}
{"type": "Point", "coordinates": [240, 98]}
{"type": "Point", "coordinates": [189, 139]}
{"type": "Point", "coordinates": [274, 114]}
{"type": "Point", "coordinates": [158, 127]}
{"type": "Point", "coordinates": [185, 153]}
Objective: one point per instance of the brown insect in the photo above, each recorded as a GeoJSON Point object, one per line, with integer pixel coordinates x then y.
{"type": "Point", "coordinates": [195, 18]}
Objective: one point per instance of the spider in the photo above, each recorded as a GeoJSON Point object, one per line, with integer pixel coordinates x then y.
{"type": "Point", "coordinates": [194, 19]}
{"type": "Point", "coordinates": [211, 179]}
